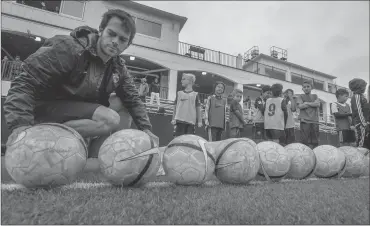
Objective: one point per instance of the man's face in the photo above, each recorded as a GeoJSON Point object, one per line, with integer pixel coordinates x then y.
{"type": "Point", "coordinates": [114, 38]}
{"type": "Point", "coordinates": [185, 80]}
{"type": "Point", "coordinates": [290, 94]}
{"type": "Point", "coordinates": [238, 97]}
{"type": "Point", "coordinates": [266, 94]}
{"type": "Point", "coordinates": [219, 89]}
{"type": "Point", "coordinates": [342, 98]}
{"type": "Point", "coordinates": [306, 88]}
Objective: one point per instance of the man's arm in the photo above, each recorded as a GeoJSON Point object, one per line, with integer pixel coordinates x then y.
{"type": "Point", "coordinates": [300, 104]}
{"type": "Point", "coordinates": [129, 96]}
{"type": "Point", "coordinates": [359, 107]}
{"type": "Point", "coordinates": [198, 109]}
{"type": "Point", "coordinates": [206, 108]}
{"type": "Point", "coordinates": [334, 111]}
{"type": "Point", "coordinates": [293, 105]}
{"type": "Point", "coordinates": [285, 111]}
{"type": "Point", "coordinates": [43, 70]}
{"type": "Point", "coordinates": [174, 108]}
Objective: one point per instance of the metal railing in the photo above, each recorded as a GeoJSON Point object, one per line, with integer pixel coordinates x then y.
{"type": "Point", "coordinates": [205, 54]}
{"type": "Point", "coordinates": [265, 70]}
{"type": "Point", "coordinates": [10, 69]}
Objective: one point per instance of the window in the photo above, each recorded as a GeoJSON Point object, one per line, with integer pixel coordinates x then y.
{"type": "Point", "coordinates": [148, 28]}
{"type": "Point", "coordinates": [275, 73]}
{"type": "Point", "coordinates": [318, 84]}
{"type": "Point", "coordinates": [296, 78]}
{"type": "Point", "coordinates": [52, 6]}
{"type": "Point", "coordinates": [73, 8]}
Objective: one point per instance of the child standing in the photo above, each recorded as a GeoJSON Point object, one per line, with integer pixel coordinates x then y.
{"type": "Point", "coordinates": [154, 92]}
{"type": "Point", "coordinates": [343, 120]}
{"type": "Point", "coordinates": [276, 115]}
{"type": "Point", "coordinates": [236, 114]}
{"type": "Point", "coordinates": [259, 104]}
{"type": "Point", "coordinates": [358, 101]}
{"type": "Point", "coordinates": [187, 107]}
{"type": "Point", "coordinates": [290, 123]}
{"type": "Point", "coordinates": [215, 112]}
{"type": "Point", "coordinates": [309, 105]}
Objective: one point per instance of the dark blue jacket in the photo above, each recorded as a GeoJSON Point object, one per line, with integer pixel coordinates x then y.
{"type": "Point", "coordinates": [57, 71]}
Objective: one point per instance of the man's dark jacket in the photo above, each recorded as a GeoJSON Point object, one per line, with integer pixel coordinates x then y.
{"type": "Point", "coordinates": [57, 71]}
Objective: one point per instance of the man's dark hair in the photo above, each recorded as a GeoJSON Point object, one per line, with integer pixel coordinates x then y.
{"type": "Point", "coordinates": [218, 82]}
{"type": "Point", "coordinates": [307, 82]}
{"type": "Point", "coordinates": [265, 88]}
{"type": "Point", "coordinates": [276, 89]}
{"type": "Point", "coordinates": [286, 91]}
{"type": "Point", "coordinates": [341, 92]}
{"type": "Point", "coordinates": [127, 20]}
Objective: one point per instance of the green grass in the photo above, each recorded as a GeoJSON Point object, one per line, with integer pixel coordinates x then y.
{"type": "Point", "coordinates": [303, 202]}
{"type": "Point", "coordinates": [344, 201]}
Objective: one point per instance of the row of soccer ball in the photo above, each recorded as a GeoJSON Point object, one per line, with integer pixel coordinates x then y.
{"type": "Point", "coordinates": [48, 155]}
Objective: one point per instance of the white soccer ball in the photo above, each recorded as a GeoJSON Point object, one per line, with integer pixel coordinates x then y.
{"type": "Point", "coordinates": [355, 164]}
{"type": "Point", "coordinates": [366, 171]}
{"type": "Point", "coordinates": [237, 161]}
{"type": "Point", "coordinates": [129, 158]}
{"type": "Point", "coordinates": [303, 161]}
{"type": "Point", "coordinates": [45, 155]}
{"type": "Point", "coordinates": [364, 151]}
{"type": "Point", "coordinates": [187, 162]}
{"type": "Point", "coordinates": [331, 162]}
{"type": "Point", "coordinates": [275, 160]}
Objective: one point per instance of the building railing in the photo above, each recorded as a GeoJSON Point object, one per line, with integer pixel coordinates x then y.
{"type": "Point", "coordinates": [265, 70]}
{"type": "Point", "coordinates": [205, 54]}
{"type": "Point", "coordinates": [10, 69]}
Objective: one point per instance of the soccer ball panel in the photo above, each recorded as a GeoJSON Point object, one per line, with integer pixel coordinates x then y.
{"type": "Point", "coordinates": [330, 161]}
{"type": "Point", "coordinates": [303, 160]}
{"type": "Point", "coordinates": [45, 155]}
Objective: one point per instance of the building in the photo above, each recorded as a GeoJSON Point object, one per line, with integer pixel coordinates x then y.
{"type": "Point", "coordinates": [156, 51]}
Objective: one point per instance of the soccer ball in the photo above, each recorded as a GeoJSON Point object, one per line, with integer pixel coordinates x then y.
{"type": "Point", "coordinates": [45, 155]}
{"type": "Point", "coordinates": [128, 158]}
{"type": "Point", "coordinates": [366, 171]}
{"type": "Point", "coordinates": [237, 161]}
{"type": "Point", "coordinates": [275, 160]}
{"type": "Point", "coordinates": [364, 151]}
{"type": "Point", "coordinates": [250, 141]}
{"type": "Point", "coordinates": [303, 161]}
{"type": "Point", "coordinates": [187, 162]}
{"type": "Point", "coordinates": [355, 164]}
{"type": "Point", "coordinates": [331, 162]}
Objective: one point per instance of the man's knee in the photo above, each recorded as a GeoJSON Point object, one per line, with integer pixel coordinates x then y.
{"type": "Point", "coordinates": [125, 117]}
{"type": "Point", "coordinates": [109, 118]}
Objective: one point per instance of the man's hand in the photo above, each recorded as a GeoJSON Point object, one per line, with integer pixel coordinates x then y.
{"type": "Point", "coordinates": [15, 134]}
{"type": "Point", "coordinates": [154, 137]}
{"type": "Point", "coordinates": [200, 124]}
{"type": "Point", "coordinates": [206, 122]}
{"type": "Point", "coordinates": [173, 122]}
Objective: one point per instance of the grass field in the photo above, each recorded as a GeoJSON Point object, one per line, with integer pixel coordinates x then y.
{"type": "Point", "coordinates": [90, 201]}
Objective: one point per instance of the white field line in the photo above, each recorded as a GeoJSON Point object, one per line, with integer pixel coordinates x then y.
{"type": "Point", "coordinates": [88, 185]}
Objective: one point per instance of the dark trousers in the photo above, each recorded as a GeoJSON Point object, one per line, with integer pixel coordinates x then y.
{"type": "Point", "coordinates": [235, 132]}
{"type": "Point", "coordinates": [289, 136]}
{"type": "Point", "coordinates": [184, 128]}
{"type": "Point", "coordinates": [216, 133]}
{"type": "Point", "coordinates": [310, 134]}
{"type": "Point", "coordinates": [259, 132]}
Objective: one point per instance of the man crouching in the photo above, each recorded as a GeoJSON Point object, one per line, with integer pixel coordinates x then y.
{"type": "Point", "coordinates": [80, 81]}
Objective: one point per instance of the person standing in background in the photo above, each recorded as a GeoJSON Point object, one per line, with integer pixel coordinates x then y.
{"type": "Point", "coordinates": [290, 124]}
{"type": "Point", "coordinates": [215, 113]}
{"type": "Point", "coordinates": [237, 121]}
{"type": "Point", "coordinates": [309, 105]}
{"type": "Point", "coordinates": [259, 104]}
{"type": "Point", "coordinates": [143, 89]}
{"type": "Point", "coordinates": [155, 88]}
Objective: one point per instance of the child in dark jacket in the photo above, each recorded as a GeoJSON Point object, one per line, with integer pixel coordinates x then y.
{"type": "Point", "coordinates": [358, 101]}
{"type": "Point", "coordinates": [237, 121]}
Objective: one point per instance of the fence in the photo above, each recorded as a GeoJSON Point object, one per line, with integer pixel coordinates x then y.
{"type": "Point", "coordinates": [205, 54]}
{"type": "Point", "coordinates": [10, 69]}
{"type": "Point", "coordinates": [265, 70]}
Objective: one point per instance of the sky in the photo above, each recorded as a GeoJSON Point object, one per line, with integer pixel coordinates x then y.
{"type": "Point", "coordinates": [330, 37]}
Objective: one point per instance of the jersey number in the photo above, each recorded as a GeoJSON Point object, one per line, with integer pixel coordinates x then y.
{"type": "Point", "coordinates": [272, 108]}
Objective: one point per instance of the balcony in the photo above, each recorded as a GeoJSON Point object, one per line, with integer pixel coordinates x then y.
{"type": "Point", "coordinates": [208, 55]}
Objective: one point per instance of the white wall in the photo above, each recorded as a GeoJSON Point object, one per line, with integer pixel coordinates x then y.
{"type": "Point", "coordinates": [94, 11]}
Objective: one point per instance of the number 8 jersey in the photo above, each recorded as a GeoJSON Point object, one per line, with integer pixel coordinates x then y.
{"type": "Point", "coordinates": [274, 114]}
